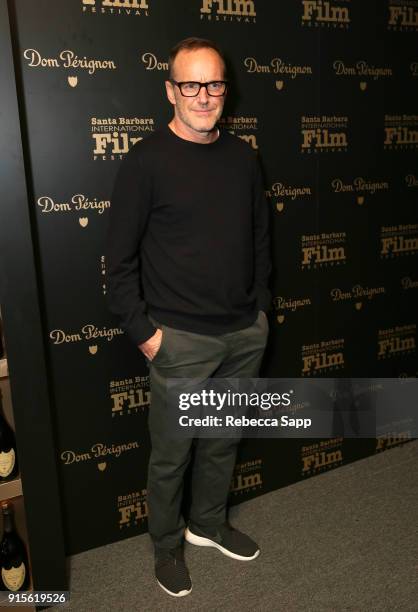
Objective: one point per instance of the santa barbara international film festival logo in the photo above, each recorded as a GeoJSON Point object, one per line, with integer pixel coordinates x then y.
{"type": "Point", "coordinates": [113, 136]}
{"type": "Point", "coordinates": [79, 204]}
{"type": "Point", "coordinates": [326, 13]}
{"type": "Point", "coordinates": [400, 132]}
{"type": "Point", "coordinates": [228, 10]}
{"type": "Point", "coordinates": [129, 396]}
{"type": "Point", "coordinates": [323, 250]}
{"type": "Point", "coordinates": [284, 305]}
{"type": "Point", "coordinates": [243, 127]}
{"type": "Point", "coordinates": [324, 134]}
{"type": "Point", "coordinates": [99, 453]}
{"type": "Point", "coordinates": [361, 71]}
{"type": "Point", "coordinates": [396, 341]}
{"type": "Point", "coordinates": [360, 187]}
{"type": "Point", "coordinates": [135, 8]}
{"type": "Point", "coordinates": [397, 240]}
{"type": "Point", "coordinates": [284, 71]}
{"type": "Point", "coordinates": [281, 194]}
{"type": "Point", "coordinates": [70, 61]}
{"type": "Point", "coordinates": [132, 509]}
{"type": "Point", "coordinates": [89, 334]}
{"type": "Point", "coordinates": [389, 440]}
{"type": "Point", "coordinates": [247, 477]}
{"type": "Point", "coordinates": [403, 15]}
{"type": "Point", "coordinates": [322, 357]}
{"type": "Point", "coordinates": [321, 456]}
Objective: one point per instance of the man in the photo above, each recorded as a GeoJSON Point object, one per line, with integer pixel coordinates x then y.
{"type": "Point", "coordinates": [189, 222]}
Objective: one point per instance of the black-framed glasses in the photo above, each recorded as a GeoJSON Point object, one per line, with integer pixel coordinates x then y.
{"type": "Point", "coordinates": [191, 89]}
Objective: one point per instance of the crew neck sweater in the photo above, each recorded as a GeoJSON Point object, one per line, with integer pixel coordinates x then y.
{"type": "Point", "coordinates": [187, 240]}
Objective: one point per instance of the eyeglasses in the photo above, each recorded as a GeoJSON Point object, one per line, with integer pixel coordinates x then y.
{"type": "Point", "coordinates": [191, 89]}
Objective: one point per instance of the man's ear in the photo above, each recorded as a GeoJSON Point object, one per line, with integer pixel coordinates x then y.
{"type": "Point", "coordinates": [169, 87]}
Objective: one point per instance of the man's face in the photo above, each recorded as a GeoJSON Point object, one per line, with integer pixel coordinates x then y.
{"type": "Point", "coordinates": [198, 115]}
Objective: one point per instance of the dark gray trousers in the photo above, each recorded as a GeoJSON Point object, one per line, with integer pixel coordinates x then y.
{"type": "Point", "coordinates": [184, 354]}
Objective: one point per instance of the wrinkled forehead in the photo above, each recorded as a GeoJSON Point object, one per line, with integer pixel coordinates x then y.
{"type": "Point", "coordinates": [198, 65]}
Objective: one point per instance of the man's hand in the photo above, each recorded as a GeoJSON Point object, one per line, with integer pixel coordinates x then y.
{"type": "Point", "coordinates": [151, 346]}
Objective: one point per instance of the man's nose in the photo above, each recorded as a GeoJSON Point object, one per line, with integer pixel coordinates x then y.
{"type": "Point", "coordinates": [203, 95]}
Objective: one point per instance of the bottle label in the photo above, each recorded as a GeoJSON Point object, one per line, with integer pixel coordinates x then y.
{"type": "Point", "coordinates": [7, 463]}
{"type": "Point", "coordinates": [14, 578]}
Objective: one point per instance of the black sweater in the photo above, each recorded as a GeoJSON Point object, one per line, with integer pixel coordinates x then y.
{"type": "Point", "coordinates": [187, 240]}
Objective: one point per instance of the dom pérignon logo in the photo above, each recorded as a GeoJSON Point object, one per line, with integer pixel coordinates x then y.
{"type": "Point", "coordinates": [285, 304]}
{"type": "Point", "coordinates": [69, 60]}
{"type": "Point", "coordinates": [78, 202]}
{"type": "Point", "coordinates": [89, 333]}
{"type": "Point", "coordinates": [287, 71]}
{"type": "Point", "coordinates": [366, 72]}
{"type": "Point", "coordinates": [282, 193]}
{"type": "Point", "coordinates": [362, 187]}
{"type": "Point", "coordinates": [151, 62]}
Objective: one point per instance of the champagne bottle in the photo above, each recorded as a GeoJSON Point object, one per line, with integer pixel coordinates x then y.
{"type": "Point", "coordinates": [8, 457]}
{"type": "Point", "coordinates": [13, 557]}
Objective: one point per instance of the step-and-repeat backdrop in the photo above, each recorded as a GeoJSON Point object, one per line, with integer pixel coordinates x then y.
{"type": "Point", "coordinates": [326, 92]}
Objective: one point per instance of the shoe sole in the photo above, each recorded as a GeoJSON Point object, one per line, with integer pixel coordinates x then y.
{"type": "Point", "coordinates": [200, 541]}
{"type": "Point", "coordinates": [180, 594]}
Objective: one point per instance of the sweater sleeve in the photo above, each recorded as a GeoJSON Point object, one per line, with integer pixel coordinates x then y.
{"type": "Point", "coordinates": [262, 264]}
{"type": "Point", "coordinates": [129, 211]}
